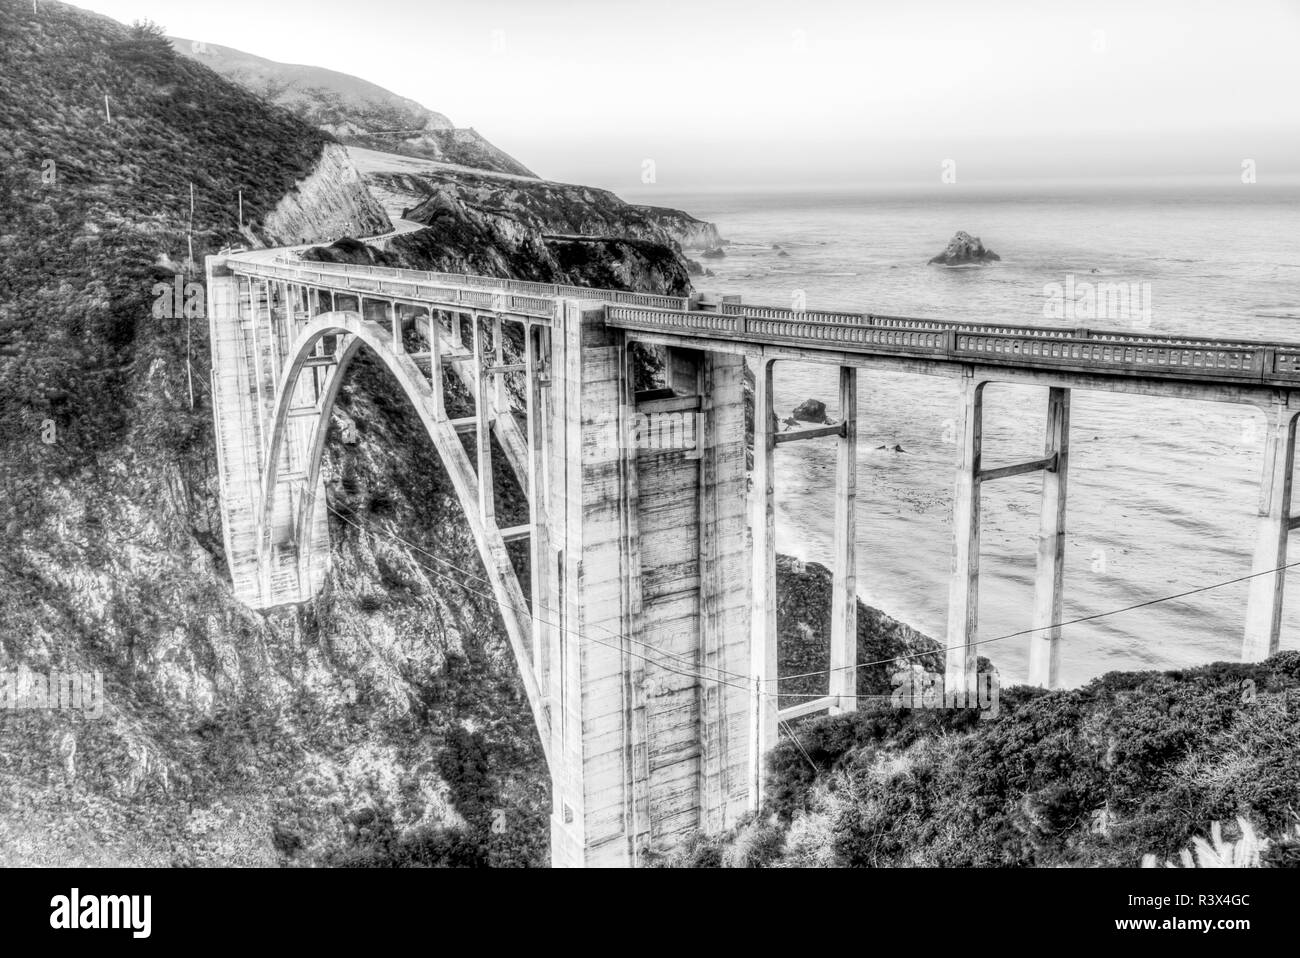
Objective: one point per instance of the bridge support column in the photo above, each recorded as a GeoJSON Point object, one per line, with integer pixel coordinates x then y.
{"type": "Point", "coordinates": [593, 754]}
{"type": "Point", "coordinates": [843, 685]}
{"type": "Point", "coordinates": [962, 656]}
{"type": "Point", "coordinates": [541, 567]}
{"type": "Point", "coordinates": [435, 367]}
{"type": "Point", "coordinates": [724, 557]}
{"type": "Point", "coordinates": [1264, 600]}
{"type": "Point", "coordinates": [763, 651]}
{"type": "Point", "coordinates": [483, 414]}
{"type": "Point", "coordinates": [1045, 644]}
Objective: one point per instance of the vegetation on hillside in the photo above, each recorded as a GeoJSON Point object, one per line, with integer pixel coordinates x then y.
{"type": "Point", "coordinates": [95, 211]}
{"type": "Point", "coordinates": [1130, 765]}
{"type": "Point", "coordinates": [388, 707]}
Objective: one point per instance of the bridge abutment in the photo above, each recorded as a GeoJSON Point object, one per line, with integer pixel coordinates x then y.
{"type": "Point", "coordinates": [250, 333]}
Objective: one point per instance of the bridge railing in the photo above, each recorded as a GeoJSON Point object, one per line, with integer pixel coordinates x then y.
{"type": "Point", "coordinates": [361, 277]}
{"type": "Point", "coordinates": [1115, 352]}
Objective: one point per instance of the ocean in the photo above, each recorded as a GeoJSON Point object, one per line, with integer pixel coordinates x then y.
{"type": "Point", "coordinates": [1162, 493]}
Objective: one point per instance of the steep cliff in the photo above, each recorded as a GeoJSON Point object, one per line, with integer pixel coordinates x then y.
{"type": "Point", "coordinates": [685, 229]}
{"type": "Point", "coordinates": [556, 209]}
{"type": "Point", "coordinates": [331, 201]}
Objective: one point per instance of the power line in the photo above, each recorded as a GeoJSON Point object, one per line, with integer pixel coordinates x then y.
{"type": "Point", "coordinates": [692, 675]}
{"type": "Point", "coordinates": [1040, 628]}
{"type": "Point", "coordinates": [613, 635]}
{"type": "Point", "coordinates": [798, 744]}
{"type": "Point", "coordinates": [493, 598]}
{"type": "Point", "coordinates": [786, 678]}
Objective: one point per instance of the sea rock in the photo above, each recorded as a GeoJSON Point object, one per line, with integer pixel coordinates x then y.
{"type": "Point", "coordinates": [782, 253]}
{"type": "Point", "coordinates": [715, 253]}
{"type": "Point", "coordinates": [811, 410]}
{"type": "Point", "coordinates": [963, 250]}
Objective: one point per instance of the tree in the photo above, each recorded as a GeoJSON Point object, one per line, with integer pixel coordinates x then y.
{"type": "Point", "coordinates": [147, 46]}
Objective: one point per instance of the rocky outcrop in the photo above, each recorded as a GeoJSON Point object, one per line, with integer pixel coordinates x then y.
{"type": "Point", "coordinates": [811, 410]}
{"type": "Point", "coordinates": [965, 250]}
{"type": "Point", "coordinates": [689, 232]}
{"type": "Point", "coordinates": [715, 253]}
{"type": "Point", "coordinates": [331, 202]}
{"type": "Point", "coordinates": [462, 238]}
{"type": "Point", "coordinates": [557, 210]}
{"type": "Point", "coordinates": [621, 264]}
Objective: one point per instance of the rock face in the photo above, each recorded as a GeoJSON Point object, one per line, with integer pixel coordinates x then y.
{"type": "Point", "coordinates": [965, 250]}
{"type": "Point", "coordinates": [556, 211]}
{"type": "Point", "coordinates": [689, 232]}
{"type": "Point", "coordinates": [507, 238]}
{"type": "Point", "coordinates": [332, 201]}
{"type": "Point", "coordinates": [461, 242]}
{"type": "Point", "coordinates": [811, 410]}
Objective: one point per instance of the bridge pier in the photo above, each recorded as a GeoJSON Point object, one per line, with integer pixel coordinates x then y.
{"type": "Point", "coordinates": [843, 684]}
{"type": "Point", "coordinates": [1272, 530]}
{"type": "Point", "coordinates": [762, 523]}
{"type": "Point", "coordinates": [1049, 576]}
{"type": "Point", "coordinates": [647, 677]}
{"type": "Point", "coordinates": [962, 656]}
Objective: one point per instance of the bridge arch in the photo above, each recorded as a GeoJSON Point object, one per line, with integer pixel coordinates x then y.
{"type": "Point", "coordinates": [356, 332]}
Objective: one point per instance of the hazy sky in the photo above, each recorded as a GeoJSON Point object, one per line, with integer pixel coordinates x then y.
{"type": "Point", "coordinates": [811, 92]}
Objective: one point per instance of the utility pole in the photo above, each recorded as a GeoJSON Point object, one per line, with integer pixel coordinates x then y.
{"type": "Point", "coordinates": [108, 116]}
{"type": "Point", "coordinates": [189, 365]}
{"type": "Point", "coordinates": [241, 209]}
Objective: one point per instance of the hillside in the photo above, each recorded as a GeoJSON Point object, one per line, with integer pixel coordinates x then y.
{"type": "Point", "coordinates": [1130, 765]}
{"type": "Point", "coordinates": [353, 110]}
{"type": "Point", "coordinates": [385, 711]}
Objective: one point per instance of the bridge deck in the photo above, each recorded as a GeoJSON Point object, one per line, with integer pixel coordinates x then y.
{"type": "Point", "coordinates": [1109, 353]}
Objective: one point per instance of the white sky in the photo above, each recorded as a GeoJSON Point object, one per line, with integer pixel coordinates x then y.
{"type": "Point", "coordinates": [722, 93]}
